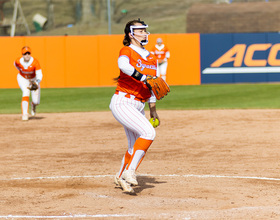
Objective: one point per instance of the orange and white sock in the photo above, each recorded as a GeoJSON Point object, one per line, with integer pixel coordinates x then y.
{"type": "Point", "coordinates": [125, 161]}
{"type": "Point", "coordinates": [139, 150]}
{"type": "Point", "coordinates": [25, 105]}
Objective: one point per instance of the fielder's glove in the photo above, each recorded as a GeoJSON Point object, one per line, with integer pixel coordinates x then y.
{"type": "Point", "coordinates": [33, 86]}
{"type": "Point", "coordinates": [159, 87]}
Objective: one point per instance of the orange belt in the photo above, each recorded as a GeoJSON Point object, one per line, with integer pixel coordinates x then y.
{"type": "Point", "coordinates": [129, 96]}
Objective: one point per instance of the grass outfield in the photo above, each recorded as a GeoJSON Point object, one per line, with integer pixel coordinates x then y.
{"type": "Point", "coordinates": [225, 96]}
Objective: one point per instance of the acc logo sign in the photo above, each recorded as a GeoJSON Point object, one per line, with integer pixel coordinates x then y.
{"type": "Point", "coordinates": [237, 54]}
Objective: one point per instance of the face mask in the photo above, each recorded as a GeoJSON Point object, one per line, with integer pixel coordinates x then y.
{"type": "Point", "coordinates": [143, 42]}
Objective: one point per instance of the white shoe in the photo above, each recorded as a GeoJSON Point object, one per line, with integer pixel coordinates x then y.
{"type": "Point", "coordinates": [123, 184]}
{"type": "Point", "coordinates": [25, 117]}
{"type": "Point", "coordinates": [33, 109]}
{"type": "Point", "coordinates": [116, 179]}
{"type": "Point", "coordinates": [130, 177]}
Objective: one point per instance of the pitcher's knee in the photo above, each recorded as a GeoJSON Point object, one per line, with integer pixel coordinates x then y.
{"type": "Point", "coordinates": [150, 134]}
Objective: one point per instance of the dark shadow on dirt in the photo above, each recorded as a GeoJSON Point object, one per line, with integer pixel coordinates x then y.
{"type": "Point", "coordinates": [36, 118]}
{"type": "Point", "coordinates": [146, 182]}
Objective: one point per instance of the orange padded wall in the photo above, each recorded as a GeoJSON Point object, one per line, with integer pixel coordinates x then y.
{"type": "Point", "coordinates": [88, 61]}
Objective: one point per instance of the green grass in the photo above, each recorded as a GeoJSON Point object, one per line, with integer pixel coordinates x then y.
{"type": "Point", "coordinates": [60, 100]}
{"type": "Point", "coordinates": [229, 96]}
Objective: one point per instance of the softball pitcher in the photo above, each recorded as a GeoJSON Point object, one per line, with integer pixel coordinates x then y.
{"type": "Point", "coordinates": [128, 102]}
{"type": "Point", "coordinates": [29, 76]}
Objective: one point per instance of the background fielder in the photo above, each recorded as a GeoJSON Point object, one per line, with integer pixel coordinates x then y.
{"type": "Point", "coordinates": [162, 53]}
{"type": "Point", "coordinates": [29, 72]}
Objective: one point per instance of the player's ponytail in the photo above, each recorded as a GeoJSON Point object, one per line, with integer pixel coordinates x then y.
{"type": "Point", "coordinates": [127, 40]}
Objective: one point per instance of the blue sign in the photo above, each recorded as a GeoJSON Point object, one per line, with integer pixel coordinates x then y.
{"type": "Point", "coordinates": [238, 58]}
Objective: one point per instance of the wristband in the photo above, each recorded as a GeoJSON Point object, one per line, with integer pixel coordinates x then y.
{"type": "Point", "coordinates": [136, 75]}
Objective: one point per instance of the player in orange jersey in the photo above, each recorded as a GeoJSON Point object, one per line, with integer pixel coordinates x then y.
{"type": "Point", "coordinates": [128, 102]}
{"type": "Point", "coordinates": [29, 71]}
{"type": "Point", "coordinates": [162, 53]}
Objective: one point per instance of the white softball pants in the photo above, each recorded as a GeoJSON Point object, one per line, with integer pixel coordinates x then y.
{"type": "Point", "coordinates": [23, 84]}
{"type": "Point", "coordinates": [130, 113]}
{"type": "Point", "coordinates": [162, 70]}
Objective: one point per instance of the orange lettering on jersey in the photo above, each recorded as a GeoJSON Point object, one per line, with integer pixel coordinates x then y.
{"type": "Point", "coordinates": [248, 60]}
{"type": "Point", "coordinates": [238, 50]}
{"type": "Point", "coordinates": [272, 61]}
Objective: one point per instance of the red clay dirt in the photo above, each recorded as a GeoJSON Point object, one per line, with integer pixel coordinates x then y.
{"type": "Point", "coordinates": [205, 164]}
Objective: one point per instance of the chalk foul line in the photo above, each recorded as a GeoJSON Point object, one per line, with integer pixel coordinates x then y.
{"type": "Point", "coordinates": [167, 175]}
{"type": "Point", "coordinates": [63, 216]}
{"type": "Point", "coordinates": [223, 176]}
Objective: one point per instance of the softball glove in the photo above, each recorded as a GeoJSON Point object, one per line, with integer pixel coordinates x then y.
{"type": "Point", "coordinates": [159, 87]}
{"type": "Point", "coordinates": [33, 86]}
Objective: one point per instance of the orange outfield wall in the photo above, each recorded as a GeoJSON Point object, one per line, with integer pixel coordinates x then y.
{"type": "Point", "coordinates": [86, 61]}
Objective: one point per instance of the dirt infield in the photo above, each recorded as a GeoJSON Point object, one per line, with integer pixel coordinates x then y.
{"type": "Point", "coordinates": [207, 164]}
